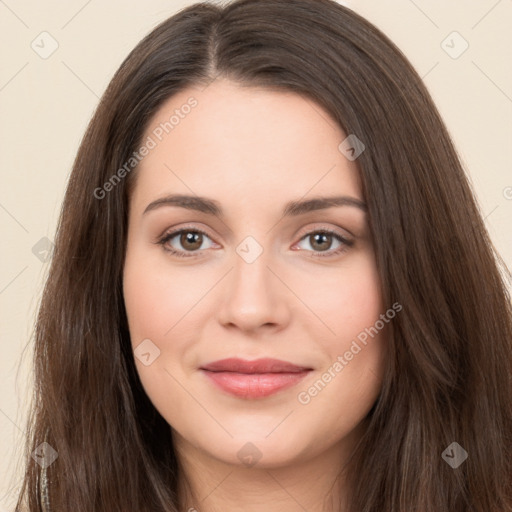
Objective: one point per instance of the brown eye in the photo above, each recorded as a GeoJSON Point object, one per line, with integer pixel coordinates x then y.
{"type": "Point", "coordinates": [184, 242]}
{"type": "Point", "coordinates": [191, 240]}
{"type": "Point", "coordinates": [321, 241]}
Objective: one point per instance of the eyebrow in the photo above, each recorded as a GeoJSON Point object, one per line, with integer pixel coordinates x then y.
{"type": "Point", "coordinates": [291, 209]}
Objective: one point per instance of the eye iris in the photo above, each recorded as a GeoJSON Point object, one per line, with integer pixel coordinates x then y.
{"type": "Point", "coordinates": [191, 237]}
{"type": "Point", "coordinates": [322, 236]}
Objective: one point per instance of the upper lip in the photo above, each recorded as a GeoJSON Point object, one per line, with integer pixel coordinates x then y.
{"type": "Point", "coordinates": [265, 365]}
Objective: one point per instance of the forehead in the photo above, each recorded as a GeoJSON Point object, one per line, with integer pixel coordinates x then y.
{"type": "Point", "coordinates": [243, 143]}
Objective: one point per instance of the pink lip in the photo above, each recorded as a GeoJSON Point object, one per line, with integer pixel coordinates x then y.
{"type": "Point", "coordinates": [254, 379]}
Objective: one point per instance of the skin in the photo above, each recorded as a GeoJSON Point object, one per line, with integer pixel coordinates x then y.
{"type": "Point", "coordinates": [253, 150]}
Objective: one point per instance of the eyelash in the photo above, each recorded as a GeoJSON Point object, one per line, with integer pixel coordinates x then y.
{"type": "Point", "coordinates": [316, 254]}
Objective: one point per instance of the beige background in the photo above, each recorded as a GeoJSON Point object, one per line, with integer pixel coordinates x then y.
{"type": "Point", "coordinates": [45, 105]}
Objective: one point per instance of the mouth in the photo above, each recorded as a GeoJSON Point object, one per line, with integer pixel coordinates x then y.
{"type": "Point", "coordinates": [254, 379]}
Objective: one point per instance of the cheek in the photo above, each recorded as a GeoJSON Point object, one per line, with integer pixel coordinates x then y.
{"type": "Point", "coordinates": [157, 299]}
{"type": "Point", "coordinates": [153, 310]}
{"type": "Point", "coordinates": [354, 343]}
{"type": "Point", "coordinates": [164, 305]}
{"type": "Point", "coordinates": [149, 301]}
{"type": "Point", "coordinates": [346, 301]}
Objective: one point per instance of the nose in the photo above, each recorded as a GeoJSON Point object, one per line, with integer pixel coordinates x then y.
{"type": "Point", "coordinates": [254, 296]}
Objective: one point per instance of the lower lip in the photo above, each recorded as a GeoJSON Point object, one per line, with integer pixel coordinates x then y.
{"type": "Point", "coordinates": [254, 385]}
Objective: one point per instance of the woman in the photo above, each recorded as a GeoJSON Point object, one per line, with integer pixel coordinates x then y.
{"type": "Point", "coordinates": [338, 335]}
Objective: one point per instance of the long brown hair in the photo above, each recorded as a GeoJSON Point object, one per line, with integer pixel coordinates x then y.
{"type": "Point", "coordinates": [449, 367]}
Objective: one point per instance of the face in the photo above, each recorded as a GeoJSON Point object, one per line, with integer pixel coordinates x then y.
{"type": "Point", "coordinates": [251, 276]}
